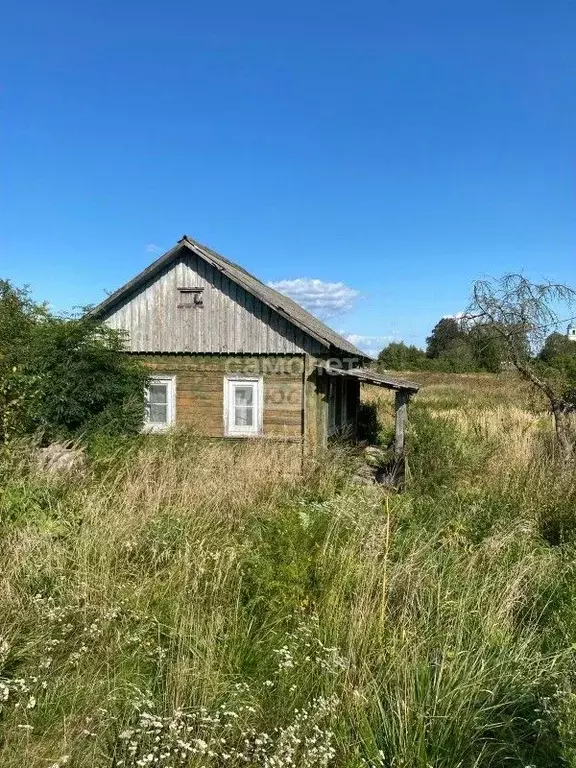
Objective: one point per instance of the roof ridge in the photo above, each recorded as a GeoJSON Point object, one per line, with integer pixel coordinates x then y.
{"type": "Point", "coordinates": [279, 302]}
{"type": "Point", "coordinates": [348, 345]}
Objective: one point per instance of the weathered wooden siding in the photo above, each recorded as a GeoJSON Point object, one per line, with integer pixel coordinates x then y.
{"type": "Point", "coordinates": [318, 394]}
{"type": "Point", "coordinates": [200, 390]}
{"type": "Point", "coordinates": [230, 321]}
{"type": "Point", "coordinates": [353, 405]}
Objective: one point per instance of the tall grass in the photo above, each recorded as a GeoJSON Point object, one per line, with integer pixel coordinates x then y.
{"type": "Point", "coordinates": [185, 603]}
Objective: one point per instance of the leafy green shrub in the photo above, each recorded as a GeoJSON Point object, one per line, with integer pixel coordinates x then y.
{"type": "Point", "coordinates": [398, 356]}
{"type": "Point", "coordinates": [86, 384]}
{"type": "Point", "coordinates": [61, 378]}
{"type": "Point", "coordinates": [438, 454]}
{"type": "Point", "coordinates": [280, 567]}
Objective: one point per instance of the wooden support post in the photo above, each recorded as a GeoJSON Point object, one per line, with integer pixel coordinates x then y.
{"type": "Point", "coordinates": [401, 405]}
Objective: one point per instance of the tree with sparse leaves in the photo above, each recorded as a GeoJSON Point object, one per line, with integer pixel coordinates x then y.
{"type": "Point", "coordinates": [488, 349]}
{"type": "Point", "coordinates": [522, 314]}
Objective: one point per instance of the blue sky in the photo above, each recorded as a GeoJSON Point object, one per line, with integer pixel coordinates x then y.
{"type": "Point", "coordinates": [399, 149]}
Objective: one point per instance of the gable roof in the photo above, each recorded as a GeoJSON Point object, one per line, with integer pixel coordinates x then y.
{"type": "Point", "coordinates": [272, 298]}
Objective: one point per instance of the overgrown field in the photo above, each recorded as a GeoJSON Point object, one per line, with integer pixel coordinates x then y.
{"type": "Point", "coordinates": [190, 604]}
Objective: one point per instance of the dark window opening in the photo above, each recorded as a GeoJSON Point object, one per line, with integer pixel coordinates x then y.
{"type": "Point", "coordinates": [190, 298]}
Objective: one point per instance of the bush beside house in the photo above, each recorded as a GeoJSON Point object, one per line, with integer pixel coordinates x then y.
{"type": "Point", "coordinates": [63, 378]}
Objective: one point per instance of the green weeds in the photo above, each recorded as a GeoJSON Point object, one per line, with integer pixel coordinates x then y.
{"type": "Point", "coordinates": [186, 604]}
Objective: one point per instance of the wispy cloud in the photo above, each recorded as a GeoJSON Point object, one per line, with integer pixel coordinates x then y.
{"type": "Point", "coordinates": [322, 299]}
{"type": "Point", "coordinates": [152, 248]}
{"type": "Point", "coordinates": [372, 345]}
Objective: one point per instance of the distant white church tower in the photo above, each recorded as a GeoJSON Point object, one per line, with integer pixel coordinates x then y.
{"type": "Point", "coordinates": [572, 331]}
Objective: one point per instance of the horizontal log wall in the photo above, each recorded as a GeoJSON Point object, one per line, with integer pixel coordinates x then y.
{"type": "Point", "coordinates": [200, 390]}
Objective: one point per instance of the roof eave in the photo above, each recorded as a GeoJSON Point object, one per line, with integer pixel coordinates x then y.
{"type": "Point", "coordinates": [197, 248]}
{"type": "Point", "coordinates": [136, 282]}
{"type": "Point", "coordinates": [372, 377]}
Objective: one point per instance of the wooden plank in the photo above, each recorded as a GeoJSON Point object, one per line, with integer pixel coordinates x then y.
{"type": "Point", "coordinates": [401, 407]}
{"type": "Point", "coordinates": [270, 364]}
{"type": "Point", "coordinates": [231, 320]}
{"type": "Point", "coordinates": [310, 406]}
{"type": "Point", "coordinates": [322, 382]}
{"type": "Point", "coordinates": [286, 432]}
{"type": "Point", "coordinates": [201, 388]}
{"type": "Point", "coordinates": [282, 418]}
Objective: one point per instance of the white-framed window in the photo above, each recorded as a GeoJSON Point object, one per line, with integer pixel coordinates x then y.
{"type": "Point", "coordinates": [243, 406]}
{"type": "Point", "coordinates": [160, 403]}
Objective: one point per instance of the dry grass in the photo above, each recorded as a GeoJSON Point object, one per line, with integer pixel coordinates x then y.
{"type": "Point", "coordinates": [204, 594]}
{"type": "Point", "coordinates": [500, 410]}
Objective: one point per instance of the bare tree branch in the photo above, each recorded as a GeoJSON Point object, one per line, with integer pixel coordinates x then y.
{"type": "Point", "coordinates": [521, 313]}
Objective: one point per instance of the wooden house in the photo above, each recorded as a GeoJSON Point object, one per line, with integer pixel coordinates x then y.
{"type": "Point", "coordinates": [231, 357]}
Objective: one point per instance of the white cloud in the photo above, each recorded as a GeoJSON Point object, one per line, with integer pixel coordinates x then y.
{"type": "Point", "coordinates": [322, 299]}
{"type": "Point", "coordinates": [152, 248]}
{"type": "Point", "coordinates": [372, 345]}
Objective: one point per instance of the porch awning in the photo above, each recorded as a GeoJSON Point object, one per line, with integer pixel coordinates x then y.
{"type": "Point", "coordinates": [366, 376]}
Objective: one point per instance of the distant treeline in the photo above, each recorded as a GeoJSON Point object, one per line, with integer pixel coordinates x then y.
{"type": "Point", "coordinates": [457, 347]}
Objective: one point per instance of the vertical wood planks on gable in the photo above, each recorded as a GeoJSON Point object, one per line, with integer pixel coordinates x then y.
{"type": "Point", "coordinates": [231, 320]}
{"type": "Point", "coordinates": [200, 331]}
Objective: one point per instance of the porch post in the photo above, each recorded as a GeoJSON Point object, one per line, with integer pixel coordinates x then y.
{"type": "Point", "coordinates": [401, 405]}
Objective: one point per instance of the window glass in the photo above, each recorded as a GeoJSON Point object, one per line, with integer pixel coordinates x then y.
{"type": "Point", "coordinates": [158, 403]}
{"type": "Point", "coordinates": [243, 395]}
{"type": "Point", "coordinates": [243, 405]}
{"type": "Point", "coordinates": [158, 393]}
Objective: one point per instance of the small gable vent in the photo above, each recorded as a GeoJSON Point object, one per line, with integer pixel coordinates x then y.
{"type": "Point", "coordinates": [190, 298]}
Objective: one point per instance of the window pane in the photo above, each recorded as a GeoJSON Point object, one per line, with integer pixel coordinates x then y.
{"type": "Point", "coordinates": [243, 395]}
{"type": "Point", "coordinates": [158, 393]}
{"type": "Point", "coordinates": [243, 416]}
{"type": "Point", "coordinates": [158, 413]}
